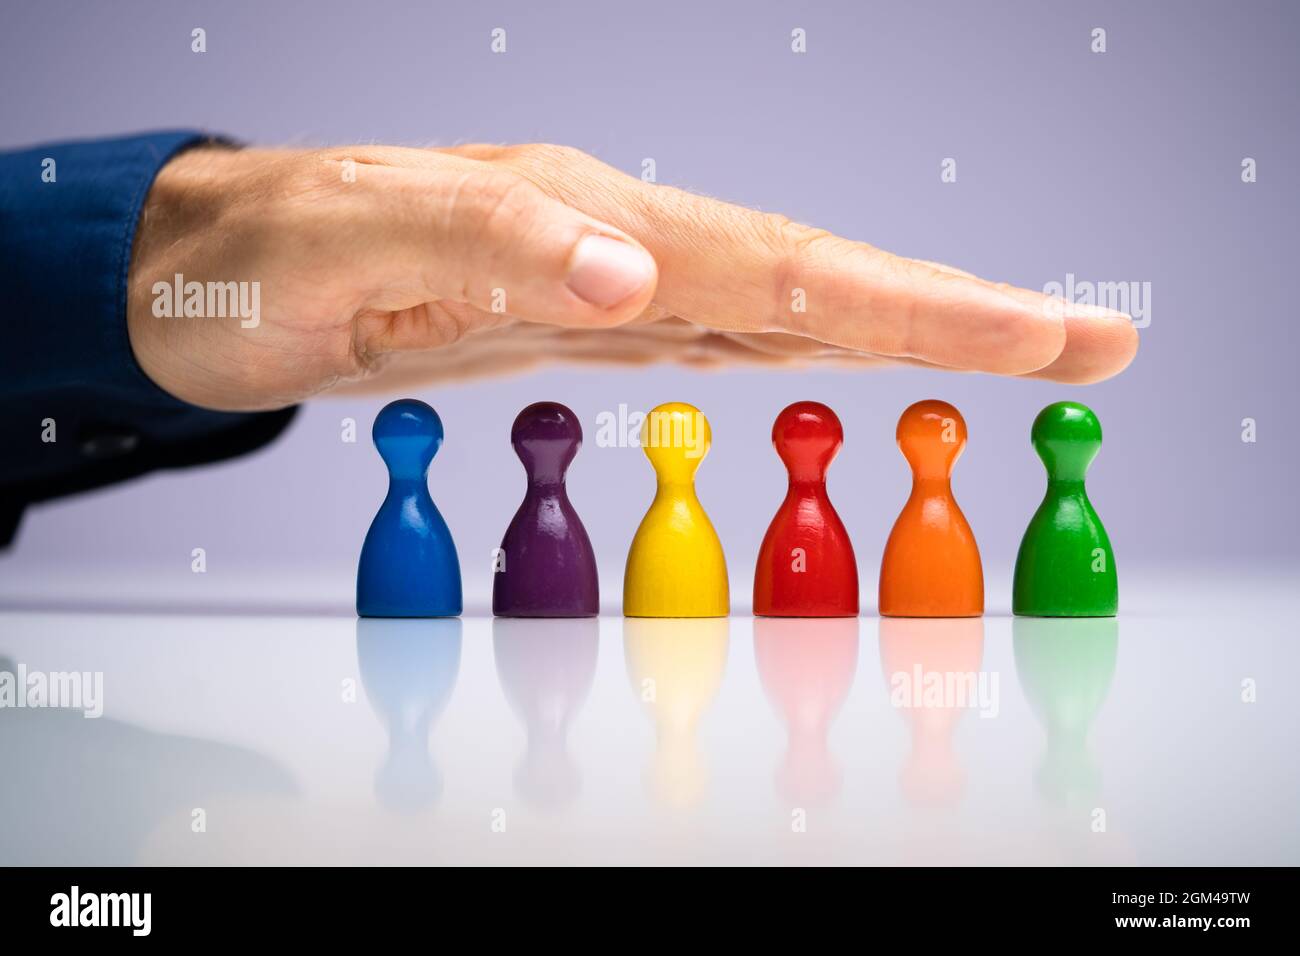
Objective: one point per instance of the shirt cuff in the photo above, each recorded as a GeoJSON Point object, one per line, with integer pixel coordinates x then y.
{"type": "Point", "coordinates": [68, 215]}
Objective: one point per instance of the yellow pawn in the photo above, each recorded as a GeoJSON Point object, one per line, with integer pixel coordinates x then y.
{"type": "Point", "coordinates": [675, 567]}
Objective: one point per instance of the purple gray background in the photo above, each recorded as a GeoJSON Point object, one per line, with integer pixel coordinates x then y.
{"type": "Point", "coordinates": [1123, 166]}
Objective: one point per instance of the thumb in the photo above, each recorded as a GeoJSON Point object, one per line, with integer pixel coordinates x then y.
{"type": "Point", "coordinates": [492, 239]}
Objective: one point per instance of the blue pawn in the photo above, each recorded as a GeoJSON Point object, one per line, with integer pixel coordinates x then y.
{"type": "Point", "coordinates": [408, 563]}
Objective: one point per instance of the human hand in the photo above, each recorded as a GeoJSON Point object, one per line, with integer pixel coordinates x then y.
{"type": "Point", "coordinates": [386, 267]}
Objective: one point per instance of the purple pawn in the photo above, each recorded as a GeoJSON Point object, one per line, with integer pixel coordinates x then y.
{"type": "Point", "coordinates": [546, 567]}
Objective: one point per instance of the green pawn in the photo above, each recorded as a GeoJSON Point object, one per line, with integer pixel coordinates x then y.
{"type": "Point", "coordinates": [1065, 567]}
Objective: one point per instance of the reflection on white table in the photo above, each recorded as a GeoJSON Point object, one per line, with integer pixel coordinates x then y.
{"type": "Point", "coordinates": [281, 738]}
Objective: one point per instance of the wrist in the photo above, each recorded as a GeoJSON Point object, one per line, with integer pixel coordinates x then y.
{"type": "Point", "coordinates": [190, 196]}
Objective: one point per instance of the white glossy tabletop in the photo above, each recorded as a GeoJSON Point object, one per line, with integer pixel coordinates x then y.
{"type": "Point", "coordinates": [238, 735]}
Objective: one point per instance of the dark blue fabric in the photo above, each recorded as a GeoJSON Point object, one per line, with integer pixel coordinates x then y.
{"type": "Point", "coordinates": [65, 248]}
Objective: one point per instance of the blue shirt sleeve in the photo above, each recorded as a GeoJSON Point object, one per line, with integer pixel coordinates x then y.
{"type": "Point", "coordinates": [78, 411]}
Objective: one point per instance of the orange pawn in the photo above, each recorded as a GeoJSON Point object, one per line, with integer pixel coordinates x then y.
{"type": "Point", "coordinates": [931, 566]}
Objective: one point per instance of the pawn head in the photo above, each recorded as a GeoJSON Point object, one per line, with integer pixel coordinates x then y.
{"type": "Point", "coordinates": [931, 435]}
{"type": "Point", "coordinates": [807, 436]}
{"type": "Point", "coordinates": [408, 433]}
{"type": "Point", "coordinates": [676, 437]}
{"type": "Point", "coordinates": [1067, 436]}
{"type": "Point", "coordinates": [546, 436]}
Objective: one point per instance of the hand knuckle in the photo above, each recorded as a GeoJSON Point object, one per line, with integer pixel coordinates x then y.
{"type": "Point", "coordinates": [312, 176]}
{"type": "Point", "coordinates": [551, 155]}
{"type": "Point", "coordinates": [799, 252]}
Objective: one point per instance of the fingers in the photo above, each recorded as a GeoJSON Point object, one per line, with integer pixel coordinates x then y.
{"type": "Point", "coordinates": [480, 236]}
{"type": "Point", "coordinates": [523, 346]}
{"type": "Point", "coordinates": [1095, 351]}
{"type": "Point", "coordinates": [1099, 343]}
{"type": "Point", "coordinates": [783, 344]}
{"type": "Point", "coordinates": [737, 270]}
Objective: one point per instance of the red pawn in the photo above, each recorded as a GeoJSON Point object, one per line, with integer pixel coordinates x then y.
{"type": "Point", "coordinates": [806, 566]}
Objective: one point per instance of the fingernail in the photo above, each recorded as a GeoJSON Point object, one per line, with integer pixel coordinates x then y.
{"type": "Point", "coordinates": [605, 271]}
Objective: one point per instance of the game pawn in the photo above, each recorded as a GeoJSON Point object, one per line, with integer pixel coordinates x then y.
{"type": "Point", "coordinates": [676, 567]}
{"type": "Point", "coordinates": [931, 565]}
{"type": "Point", "coordinates": [408, 565]}
{"type": "Point", "coordinates": [545, 566]}
{"type": "Point", "coordinates": [1065, 567]}
{"type": "Point", "coordinates": [806, 566]}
